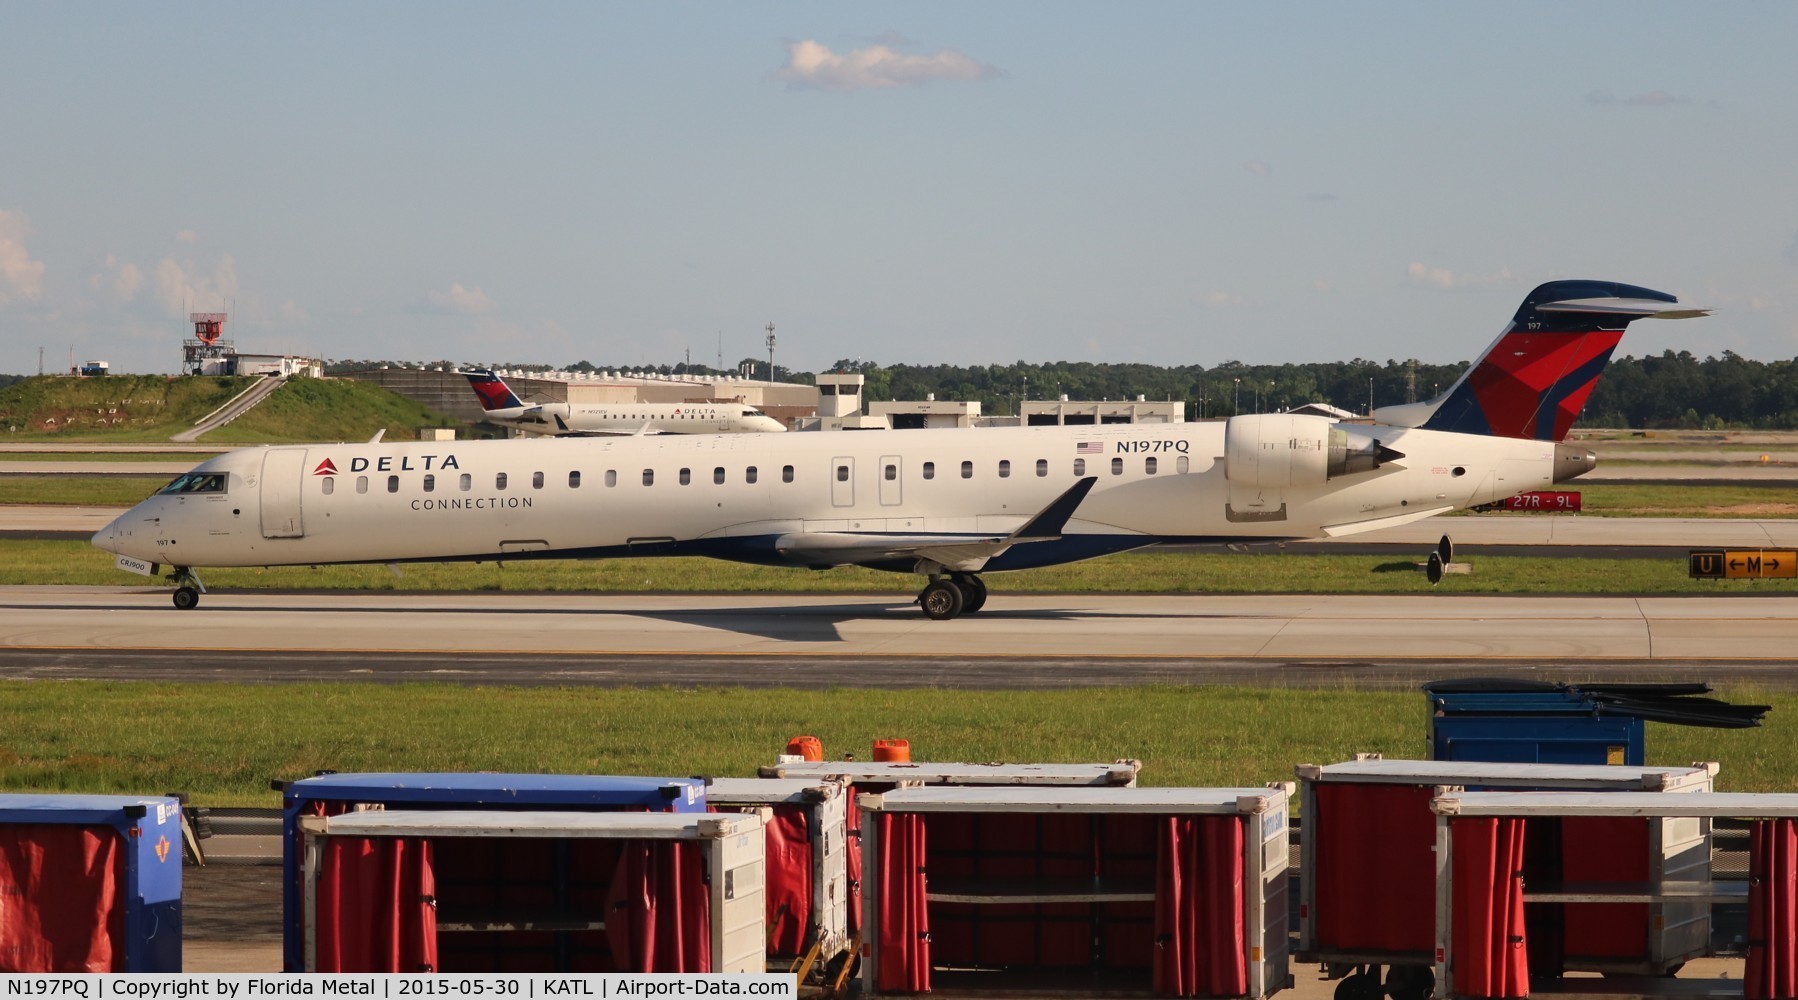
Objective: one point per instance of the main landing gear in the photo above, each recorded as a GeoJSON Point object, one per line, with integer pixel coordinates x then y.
{"type": "Point", "coordinates": [947, 596]}
{"type": "Point", "coordinates": [188, 589]}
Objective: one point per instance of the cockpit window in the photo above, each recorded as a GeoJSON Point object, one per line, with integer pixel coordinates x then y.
{"type": "Point", "coordinates": [197, 482]}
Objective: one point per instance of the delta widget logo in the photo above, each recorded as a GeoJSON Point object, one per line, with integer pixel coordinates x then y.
{"type": "Point", "coordinates": [326, 468]}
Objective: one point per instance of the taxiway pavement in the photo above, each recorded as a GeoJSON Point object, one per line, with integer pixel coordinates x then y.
{"type": "Point", "coordinates": [1024, 640]}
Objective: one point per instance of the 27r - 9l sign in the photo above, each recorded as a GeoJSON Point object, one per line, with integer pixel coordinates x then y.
{"type": "Point", "coordinates": [1742, 564]}
{"type": "Point", "coordinates": [1549, 500]}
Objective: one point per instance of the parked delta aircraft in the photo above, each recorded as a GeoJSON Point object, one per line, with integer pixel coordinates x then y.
{"type": "Point", "coordinates": [557, 419]}
{"type": "Point", "coordinates": [950, 505]}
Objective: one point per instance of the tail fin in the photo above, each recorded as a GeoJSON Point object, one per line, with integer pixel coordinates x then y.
{"type": "Point", "coordinates": [492, 390]}
{"type": "Point", "coordinates": [1533, 380]}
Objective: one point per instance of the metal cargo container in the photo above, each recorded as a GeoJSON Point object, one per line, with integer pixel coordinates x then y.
{"type": "Point", "coordinates": [90, 883]}
{"type": "Point", "coordinates": [337, 793]}
{"type": "Point", "coordinates": [1522, 721]}
{"type": "Point", "coordinates": [1483, 881]}
{"type": "Point", "coordinates": [876, 776]}
{"type": "Point", "coordinates": [807, 890]}
{"type": "Point", "coordinates": [871, 775]}
{"type": "Point", "coordinates": [1367, 870]}
{"type": "Point", "coordinates": [450, 890]}
{"type": "Point", "coordinates": [1178, 891]}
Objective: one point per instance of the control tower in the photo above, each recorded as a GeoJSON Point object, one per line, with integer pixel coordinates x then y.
{"type": "Point", "coordinates": [204, 353]}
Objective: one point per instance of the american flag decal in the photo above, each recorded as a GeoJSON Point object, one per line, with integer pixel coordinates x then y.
{"type": "Point", "coordinates": [1090, 448]}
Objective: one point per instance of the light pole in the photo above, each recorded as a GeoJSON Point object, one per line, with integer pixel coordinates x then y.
{"type": "Point", "coordinates": [1236, 403]}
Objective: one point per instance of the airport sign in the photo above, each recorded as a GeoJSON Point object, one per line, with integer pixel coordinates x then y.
{"type": "Point", "coordinates": [1567, 501]}
{"type": "Point", "coordinates": [1742, 564]}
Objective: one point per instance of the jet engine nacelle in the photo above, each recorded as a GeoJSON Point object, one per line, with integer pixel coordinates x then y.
{"type": "Point", "coordinates": [1278, 450]}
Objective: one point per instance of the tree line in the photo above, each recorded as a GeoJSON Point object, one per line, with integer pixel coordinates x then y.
{"type": "Point", "coordinates": [1670, 390]}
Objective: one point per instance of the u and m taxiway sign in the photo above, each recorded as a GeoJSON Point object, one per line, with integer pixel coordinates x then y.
{"type": "Point", "coordinates": [1743, 564]}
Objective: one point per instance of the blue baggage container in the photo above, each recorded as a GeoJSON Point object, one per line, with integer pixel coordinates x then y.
{"type": "Point", "coordinates": [579, 792]}
{"type": "Point", "coordinates": [95, 879]}
{"type": "Point", "coordinates": [1534, 722]}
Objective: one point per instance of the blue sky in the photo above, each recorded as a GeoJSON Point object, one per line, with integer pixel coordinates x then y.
{"type": "Point", "coordinates": [1170, 183]}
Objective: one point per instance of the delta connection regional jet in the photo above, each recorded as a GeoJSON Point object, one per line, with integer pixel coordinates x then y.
{"type": "Point", "coordinates": [559, 419]}
{"type": "Point", "coordinates": [949, 505]}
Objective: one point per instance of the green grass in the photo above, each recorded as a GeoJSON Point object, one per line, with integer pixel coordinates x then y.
{"type": "Point", "coordinates": [223, 743]}
{"type": "Point", "coordinates": [310, 409]}
{"type": "Point", "coordinates": [1673, 500]}
{"type": "Point", "coordinates": [40, 563]}
{"type": "Point", "coordinates": [103, 491]}
{"type": "Point", "coordinates": [122, 408]}
{"type": "Point", "coordinates": [190, 457]}
{"type": "Point", "coordinates": [130, 409]}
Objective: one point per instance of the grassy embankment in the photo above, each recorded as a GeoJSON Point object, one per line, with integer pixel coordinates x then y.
{"type": "Point", "coordinates": [103, 457]}
{"type": "Point", "coordinates": [133, 409]}
{"type": "Point", "coordinates": [223, 743]}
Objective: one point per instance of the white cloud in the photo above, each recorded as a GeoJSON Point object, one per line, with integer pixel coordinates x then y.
{"type": "Point", "coordinates": [182, 288]}
{"type": "Point", "coordinates": [1651, 99]}
{"type": "Point", "coordinates": [1222, 300]}
{"type": "Point", "coordinates": [1425, 276]}
{"type": "Point", "coordinates": [812, 64]}
{"type": "Point", "coordinates": [462, 299]}
{"type": "Point", "coordinates": [187, 236]}
{"type": "Point", "coordinates": [20, 276]}
{"type": "Point", "coordinates": [1260, 168]}
{"type": "Point", "coordinates": [120, 277]}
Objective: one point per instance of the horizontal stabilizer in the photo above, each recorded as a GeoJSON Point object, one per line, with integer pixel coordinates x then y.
{"type": "Point", "coordinates": [1636, 308]}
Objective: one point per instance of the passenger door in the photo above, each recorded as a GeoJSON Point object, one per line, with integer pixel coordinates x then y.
{"type": "Point", "coordinates": [283, 476]}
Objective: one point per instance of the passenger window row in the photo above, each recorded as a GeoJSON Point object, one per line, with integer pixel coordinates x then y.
{"type": "Point", "coordinates": [465, 482]}
{"type": "Point", "coordinates": [1150, 466]}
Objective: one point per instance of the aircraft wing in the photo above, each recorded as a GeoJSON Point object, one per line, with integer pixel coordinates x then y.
{"type": "Point", "coordinates": [963, 552]}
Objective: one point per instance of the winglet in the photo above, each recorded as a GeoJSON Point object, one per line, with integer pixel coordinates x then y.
{"type": "Point", "coordinates": [1049, 523]}
{"type": "Point", "coordinates": [378, 436]}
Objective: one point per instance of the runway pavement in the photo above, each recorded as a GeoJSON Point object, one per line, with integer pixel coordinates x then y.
{"type": "Point", "coordinates": [1019, 641]}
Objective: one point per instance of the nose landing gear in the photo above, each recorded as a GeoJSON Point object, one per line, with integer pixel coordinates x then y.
{"type": "Point", "coordinates": [188, 588]}
{"type": "Point", "coordinates": [958, 593]}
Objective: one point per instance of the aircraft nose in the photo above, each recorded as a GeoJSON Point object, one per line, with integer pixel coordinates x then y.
{"type": "Point", "coordinates": [104, 537]}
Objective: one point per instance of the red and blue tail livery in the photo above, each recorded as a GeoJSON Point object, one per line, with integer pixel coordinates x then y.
{"type": "Point", "coordinates": [494, 393]}
{"type": "Point", "coordinates": [1534, 379]}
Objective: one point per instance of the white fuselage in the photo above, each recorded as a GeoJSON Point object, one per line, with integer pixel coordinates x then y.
{"type": "Point", "coordinates": [731, 496]}
{"type": "Point", "coordinates": [629, 418]}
